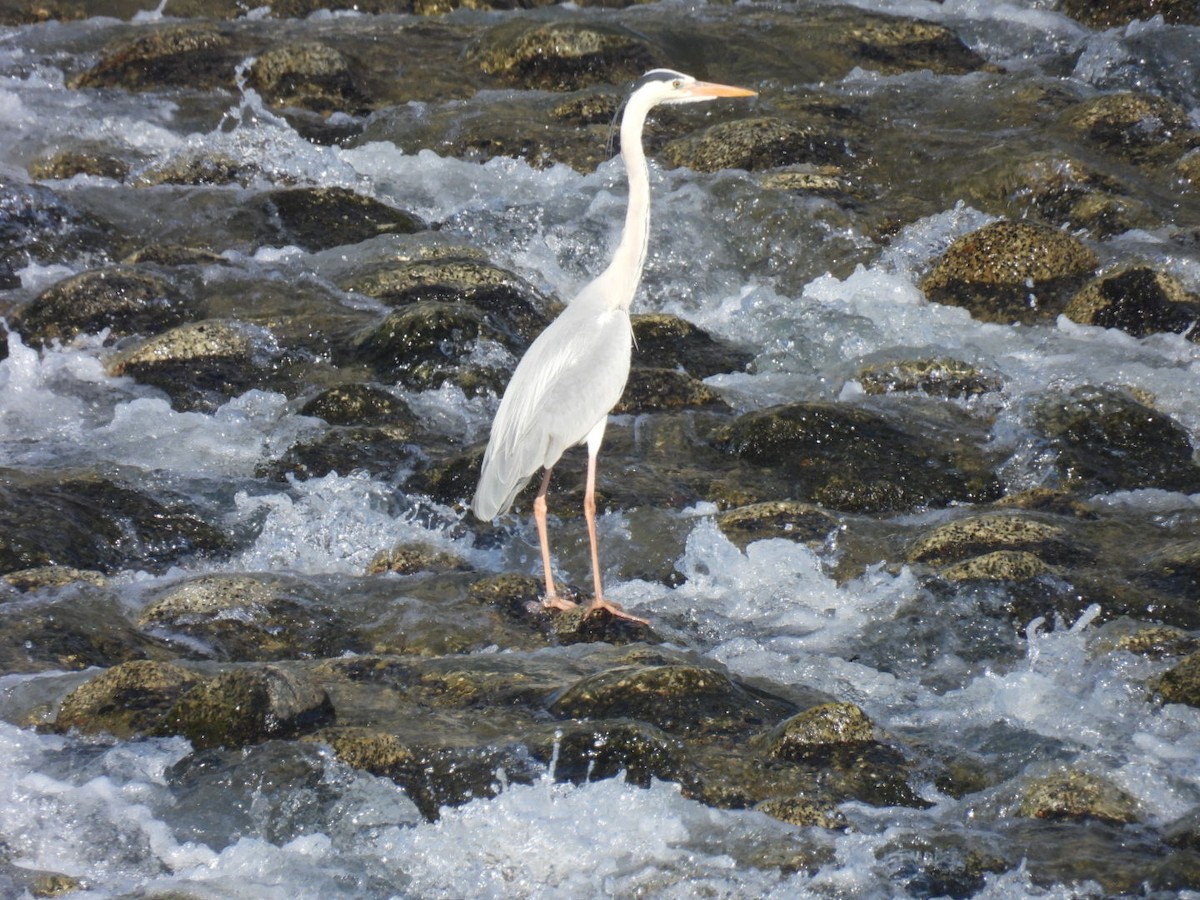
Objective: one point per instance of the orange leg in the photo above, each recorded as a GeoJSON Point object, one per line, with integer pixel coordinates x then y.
{"type": "Point", "coordinates": [589, 512]}
{"type": "Point", "coordinates": [552, 600]}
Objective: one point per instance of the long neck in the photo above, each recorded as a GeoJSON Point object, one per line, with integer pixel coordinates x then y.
{"type": "Point", "coordinates": [630, 256]}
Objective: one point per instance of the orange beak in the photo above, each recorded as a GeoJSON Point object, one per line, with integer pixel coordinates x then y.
{"type": "Point", "coordinates": [709, 89]}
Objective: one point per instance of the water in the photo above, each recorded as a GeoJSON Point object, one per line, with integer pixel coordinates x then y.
{"type": "Point", "coordinates": [814, 293]}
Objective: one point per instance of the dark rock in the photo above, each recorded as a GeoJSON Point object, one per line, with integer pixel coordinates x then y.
{"type": "Point", "coordinates": [664, 341]}
{"type": "Point", "coordinates": [577, 626]}
{"type": "Point", "coordinates": [89, 522]}
{"type": "Point", "coordinates": [174, 255]}
{"type": "Point", "coordinates": [975, 536]}
{"type": "Point", "coordinates": [1077, 795]}
{"type": "Point", "coordinates": [199, 365]}
{"type": "Point", "coordinates": [310, 75]}
{"type": "Point", "coordinates": [122, 299]}
{"type": "Point", "coordinates": [1142, 128]}
{"type": "Point", "coordinates": [407, 559]}
{"type": "Point", "coordinates": [127, 700]}
{"type": "Point", "coordinates": [563, 56]}
{"type": "Point", "coordinates": [895, 44]}
{"type": "Point", "coordinates": [937, 377]}
{"type": "Point", "coordinates": [250, 618]}
{"type": "Point", "coordinates": [378, 450]}
{"type": "Point", "coordinates": [320, 218]}
{"type": "Point", "coordinates": [800, 522]}
{"type": "Point", "coordinates": [37, 224]}
{"type": "Point", "coordinates": [1011, 272]}
{"type": "Point", "coordinates": [1181, 682]}
{"type": "Point", "coordinates": [1112, 13]}
{"type": "Point", "coordinates": [1107, 440]}
{"type": "Point", "coordinates": [195, 167]}
{"type": "Point", "coordinates": [657, 390]}
{"type": "Point", "coordinates": [68, 163]}
{"type": "Point", "coordinates": [584, 751]}
{"type": "Point", "coordinates": [248, 706]}
{"type": "Point", "coordinates": [193, 55]}
{"type": "Point", "coordinates": [818, 730]}
{"type": "Point", "coordinates": [1137, 300]}
{"type": "Point", "coordinates": [52, 576]}
{"type": "Point", "coordinates": [755, 144]}
{"type": "Point", "coordinates": [1188, 170]}
{"type": "Point", "coordinates": [850, 459]}
{"type": "Point", "coordinates": [359, 404]}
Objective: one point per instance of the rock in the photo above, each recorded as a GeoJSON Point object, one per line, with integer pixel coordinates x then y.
{"type": "Point", "coordinates": [197, 167]}
{"type": "Point", "coordinates": [380, 451]}
{"type": "Point", "coordinates": [1010, 272]}
{"type": "Point", "coordinates": [52, 576]}
{"type": "Point", "coordinates": [936, 376]}
{"type": "Point", "coordinates": [818, 730]}
{"type": "Point", "coordinates": [999, 565]}
{"type": "Point", "coordinates": [407, 559]}
{"type": "Point", "coordinates": [174, 255]}
{"type": "Point", "coordinates": [1137, 300]}
{"type": "Point", "coordinates": [755, 144]}
{"type": "Point", "coordinates": [36, 224]}
{"type": "Point", "coordinates": [251, 618]}
{"type": "Point", "coordinates": [1121, 12]}
{"type": "Point", "coordinates": [577, 626]}
{"type": "Point", "coordinates": [309, 75]}
{"type": "Point", "coordinates": [1106, 440]}
{"type": "Point", "coordinates": [247, 706]}
{"type": "Point", "coordinates": [562, 56]}
{"type": "Point", "coordinates": [584, 751]}
{"type": "Point", "coordinates": [1188, 170]}
{"type": "Point", "coordinates": [128, 700]}
{"type": "Point", "coordinates": [122, 299]}
{"type": "Point", "coordinates": [68, 163]}
{"type": "Point", "coordinates": [975, 536]}
{"type": "Point", "coordinates": [847, 458]}
{"type": "Point", "coordinates": [657, 390]}
{"type": "Point", "coordinates": [893, 45]}
{"type": "Point", "coordinates": [320, 218]}
{"type": "Point", "coordinates": [1181, 682]}
{"type": "Point", "coordinates": [664, 341]}
{"type": "Point", "coordinates": [800, 522]}
{"type": "Point", "coordinates": [1141, 128]}
{"type": "Point", "coordinates": [678, 698]}
{"type": "Point", "coordinates": [804, 813]}
{"type": "Point", "coordinates": [359, 404]}
{"type": "Point", "coordinates": [1076, 795]}
{"type": "Point", "coordinates": [193, 55]}
{"type": "Point", "coordinates": [1156, 642]}
{"type": "Point", "coordinates": [87, 522]}
{"type": "Point", "coordinates": [199, 365]}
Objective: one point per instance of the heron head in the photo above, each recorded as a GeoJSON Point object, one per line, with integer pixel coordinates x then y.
{"type": "Point", "coordinates": [669, 86]}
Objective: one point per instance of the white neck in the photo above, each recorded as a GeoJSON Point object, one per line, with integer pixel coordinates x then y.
{"type": "Point", "coordinates": [630, 256]}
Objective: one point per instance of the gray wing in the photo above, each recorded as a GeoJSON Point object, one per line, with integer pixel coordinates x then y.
{"type": "Point", "coordinates": [567, 381]}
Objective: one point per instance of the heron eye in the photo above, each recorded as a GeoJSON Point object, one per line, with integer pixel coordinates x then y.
{"type": "Point", "coordinates": [677, 84]}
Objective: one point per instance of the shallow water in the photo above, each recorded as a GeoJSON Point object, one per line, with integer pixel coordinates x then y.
{"type": "Point", "coordinates": [814, 293]}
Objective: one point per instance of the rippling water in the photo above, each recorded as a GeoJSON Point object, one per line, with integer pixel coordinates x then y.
{"type": "Point", "coordinates": [786, 276]}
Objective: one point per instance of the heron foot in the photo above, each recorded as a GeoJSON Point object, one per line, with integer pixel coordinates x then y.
{"type": "Point", "coordinates": [553, 601]}
{"type": "Point", "coordinates": [612, 609]}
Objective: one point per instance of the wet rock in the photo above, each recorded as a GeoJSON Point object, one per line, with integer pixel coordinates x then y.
{"type": "Point", "coordinates": [1188, 170]}
{"type": "Point", "coordinates": [1137, 300]}
{"type": "Point", "coordinates": [1121, 12]}
{"type": "Point", "coordinates": [247, 706]}
{"type": "Point", "coordinates": [407, 559]}
{"type": "Point", "coordinates": [192, 55]}
{"type": "Point", "coordinates": [1077, 795]}
{"type": "Point", "coordinates": [1010, 272]}
{"type": "Point", "coordinates": [976, 536]}
{"type": "Point", "coordinates": [26, 882]}
{"type": "Point", "coordinates": [563, 56]}
{"type": "Point", "coordinates": [359, 404]}
{"type": "Point", "coordinates": [51, 577]}
{"type": "Point", "coordinates": [127, 700]}
{"type": "Point", "coordinates": [1184, 832]}
{"type": "Point", "coordinates": [755, 144]}
{"type": "Point", "coordinates": [582, 752]}
{"type": "Point", "coordinates": [250, 618]}
{"type": "Point", "coordinates": [36, 224]}
{"type": "Point", "coordinates": [818, 730]}
{"type": "Point", "coordinates": [199, 365]}
{"type": "Point", "coordinates": [1107, 440]}
{"type": "Point", "coordinates": [999, 565]}
{"type": "Point", "coordinates": [828, 180]}
{"type": "Point", "coordinates": [68, 163]}
{"type": "Point", "coordinates": [892, 45]}
{"type": "Point", "coordinates": [308, 75]}
{"type": "Point", "coordinates": [657, 390]}
{"type": "Point", "coordinates": [321, 218]}
{"type": "Point", "coordinates": [800, 522]}
{"type": "Point", "coordinates": [664, 341]}
{"type": "Point", "coordinates": [1181, 682]}
{"type": "Point", "coordinates": [1047, 500]}
{"type": "Point", "coordinates": [1141, 128]}
{"type": "Point", "coordinates": [380, 451]}
{"type": "Point", "coordinates": [1153, 641]}
{"type": "Point", "coordinates": [936, 376]}
{"type": "Point", "coordinates": [850, 459]}
{"type": "Point", "coordinates": [194, 167]}
{"type": "Point", "coordinates": [804, 813]}
{"type": "Point", "coordinates": [577, 626]}
{"type": "Point", "coordinates": [121, 299]}
{"type": "Point", "coordinates": [684, 699]}
{"type": "Point", "coordinates": [88, 522]}
{"type": "Point", "coordinates": [174, 255]}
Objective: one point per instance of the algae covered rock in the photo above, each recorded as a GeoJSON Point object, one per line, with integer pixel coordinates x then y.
{"type": "Point", "coordinates": [1181, 683]}
{"type": "Point", "coordinates": [127, 700]}
{"type": "Point", "coordinates": [192, 55]}
{"type": "Point", "coordinates": [755, 144]}
{"type": "Point", "coordinates": [820, 729]}
{"type": "Point", "coordinates": [1142, 128]}
{"type": "Point", "coordinates": [1077, 795]}
{"type": "Point", "coordinates": [795, 521]}
{"type": "Point", "coordinates": [309, 75]}
{"type": "Point", "coordinates": [318, 218]}
{"type": "Point", "coordinates": [1137, 300]}
{"type": "Point", "coordinates": [975, 536]}
{"type": "Point", "coordinates": [935, 376]}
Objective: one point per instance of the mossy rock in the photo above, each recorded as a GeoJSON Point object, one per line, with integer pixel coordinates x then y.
{"type": "Point", "coordinates": [248, 706]}
{"type": "Point", "coordinates": [818, 730]}
{"type": "Point", "coordinates": [663, 341]}
{"type": "Point", "coordinates": [1113, 13]}
{"type": "Point", "coordinates": [658, 390]}
{"type": "Point", "coordinates": [895, 44]}
{"type": "Point", "coordinates": [1108, 440]}
{"type": "Point", "coordinates": [1138, 300]}
{"type": "Point", "coordinates": [1181, 682]}
{"type": "Point", "coordinates": [174, 255]}
{"type": "Point", "coordinates": [359, 404]}
{"type": "Point", "coordinates": [974, 536]}
{"type": "Point", "coordinates": [789, 519]}
{"type": "Point", "coordinates": [323, 217]}
{"type": "Point", "coordinates": [1142, 128]}
{"type": "Point", "coordinates": [585, 751]}
{"type": "Point", "coordinates": [1011, 272]}
{"type": "Point", "coordinates": [563, 56]}
{"type": "Point", "coordinates": [379, 450]}
{"type": "Point", "coordinates": [122, 299]}
{"type": "Point", "coordinates": [193, 55]}
{"type": "Point", "coordinates": [999, 565]}
{"type": "Point", "coordinates": [408, 559]}
{"type": "Point", "coordinates": [308, 75]}
{"type": "Point", "coordinates": [756, 144]}
{"type": "Point", "coordinates": [127, 700]}
{"type": "Point", "coordinates": [1078, 796]}
{"type": "Point", "coordinates": [40, 577]}
{"type": "Point", "coordinates": [66, 164]}
{"type": "Point", "coordinates": [936, 376]}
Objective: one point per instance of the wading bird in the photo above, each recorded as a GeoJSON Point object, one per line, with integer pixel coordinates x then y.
{"type": "Point", "coordinates": [573, 374]}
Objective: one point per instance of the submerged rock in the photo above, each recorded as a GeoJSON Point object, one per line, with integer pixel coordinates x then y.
{"type": "Point", "coordinates": [1121, 12]}
{"type": "Point", "coordinates": [1011, 272]}
{"type": "Point", "coordinates": [322, 217]}
{"type": "Point", "coordinates": [52, 576]}
{"type": "Point", "coordinates": [1141, 128]}
{"type": "Point", "coordinates": [1181, 682]}
{"type": "Point", "coordinates": [66, 164]}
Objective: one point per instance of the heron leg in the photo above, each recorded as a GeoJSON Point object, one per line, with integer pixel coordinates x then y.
{"type": "Point", "coordinates": [552, 600]}
{"type": "Point", "coordinates": [589, 512]}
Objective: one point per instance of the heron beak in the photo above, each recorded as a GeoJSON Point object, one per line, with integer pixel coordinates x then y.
{"type": "Point", "coordinates": [709, 89]}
